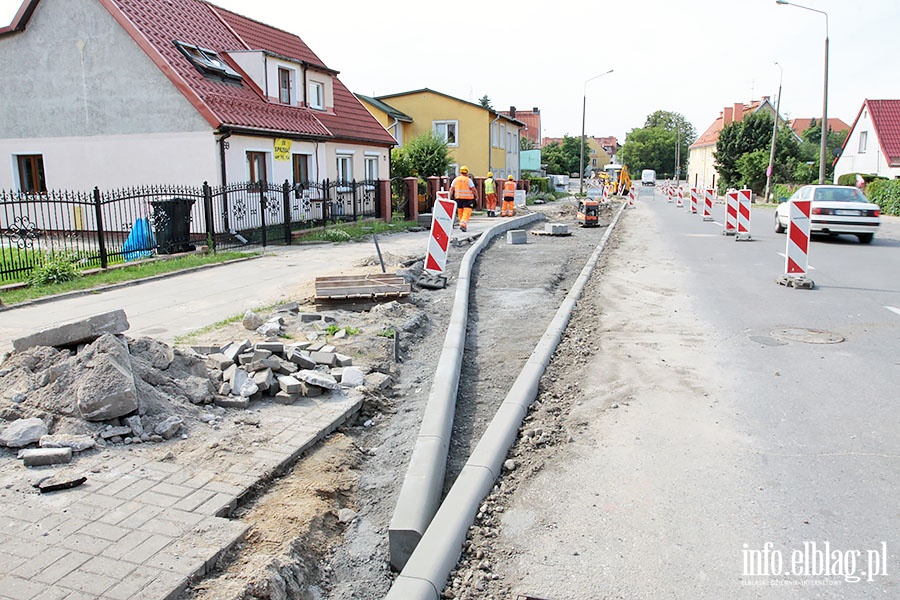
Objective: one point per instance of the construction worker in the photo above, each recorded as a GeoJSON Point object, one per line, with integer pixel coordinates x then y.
{"type": "Point", "coordinates": [490, 194]}
{"type": "Point", "coordinates": [463, 191]}
{"type": "Point", "coordinates": [509, 197]}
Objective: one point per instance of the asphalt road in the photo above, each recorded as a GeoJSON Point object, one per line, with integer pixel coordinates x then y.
{"type": "Point", "coordinates": [720, 449]}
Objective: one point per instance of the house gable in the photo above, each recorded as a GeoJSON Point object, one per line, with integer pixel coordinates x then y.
{"type": "Point", "coordinates": [886, 121]}
{"type": "Point", "coordinates": [75, 72]}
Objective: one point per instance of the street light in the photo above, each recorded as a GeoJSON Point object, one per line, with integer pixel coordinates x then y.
{"type": "Point", "coordinates": [822, 149]}
{"type": "Point", "coordinates": [583, 111]}
{"type": "Point", "coordinates": [774, 135]}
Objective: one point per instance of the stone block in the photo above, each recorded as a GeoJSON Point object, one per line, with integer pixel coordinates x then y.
{"type": "Point", "coordinates": [283, 397]}
{"type": "Point", "coordinates": [111, 432]}
{"type": "Point", "coordinates": [218, 361]}
{"type": "Point", "coordinates": [245, 359]}
{"type": "Point", "coordinates": [263, 379]}
{"type": "Point", "coordinates": [235, 349]}
{"type": "Point", "coordinates": [271, 347]}
{"type": "Point", "coordinates": [79, 332]}
{"type": "Point", "coordinates": [315, 347]}
{"type": "Point", "coordinates": [352, 377]}
{"type": "Point", "coordinates": [78, 443]}
{"type": "Point", "coordinates": [516, 236]}
{"type": "Point", "coordinates": [310, 391]}
{"type": "Point", "coordinates": [260, 354]}
{"type": "Point", "coordinates": [378, 381]}
{"type": "Point", "coordinates": [301, 359]}
{"type": "Point", "coordinates": [310, 317]}
{"type": "Point", "coordinates": [288, 384]}
{"type": "Point", "coordinates": [232, 402]}
{"type": "Point", "coordinates": [322, 358]}
{"type": "Point", "coordinates": [342, 360]}
{"type": "Point", "coordinates": [206, 349]}
{"type": "Point", "coordinates": [556, 228]}
{"type": "Point", "coordinates": [38, 457]}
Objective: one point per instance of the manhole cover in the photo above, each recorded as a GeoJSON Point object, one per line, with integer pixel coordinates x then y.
{"type": "Point", "coordinates": [767, 340]}
{"type": "Point", "coordinates": [808, 336]}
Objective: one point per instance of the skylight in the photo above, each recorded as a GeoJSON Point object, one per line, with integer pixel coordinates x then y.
{"type": "Point", "coordinates": [207, 61]}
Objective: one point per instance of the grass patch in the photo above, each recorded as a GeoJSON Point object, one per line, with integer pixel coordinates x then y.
{"type": "Point", "coordinates": [135, 272]}
{"type": "Point", "coordinates": [357, 230]}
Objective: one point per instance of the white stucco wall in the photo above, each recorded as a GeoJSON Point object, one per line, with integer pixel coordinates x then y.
{"type": "Point", "coordinates": [871, 159]}
{"type": "Point", "coordinates": [702, 167]}
{"type": "Point", "coordinates": [81, 163]}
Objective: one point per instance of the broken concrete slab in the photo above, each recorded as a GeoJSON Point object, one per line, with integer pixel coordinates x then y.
{"type": "Point", "coordinates": [111, 432]}
{"type": "Point", "coordinates": [23, 432]}
{"type": "Point", "coordinates": [232, 402]}
{"type": "Point", "coordinates": [169, 427]}
{"type": "Point", "coordinates": [78, 443]}
{"type": "Point", "coordinates": [106, 388]}
{"type": "Point", "coordinates": [352, 377]}
{"type": "Point", "coordinates": [79, 332]}
{"type": "Point", "coordinates": [316, 378]}
{"type": "Point", "coordinates": [39, 457]}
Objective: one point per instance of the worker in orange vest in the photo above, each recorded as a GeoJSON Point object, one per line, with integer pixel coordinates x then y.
{"type": "Point", "coordinates": [509, 196]}
{"type": "Point", "coordinates": [490, 195]}
{"type": "Point", "coordinates": [463, 191]}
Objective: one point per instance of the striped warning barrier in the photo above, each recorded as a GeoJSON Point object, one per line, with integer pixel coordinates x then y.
{"type": "Point", "coordinates": [693, 201]}
{"type": "Point", "coordinates": [631, 193]}
{"type": "Point", "coordinates": [707, 205]}
{"type": "Point", "coordinates": [605, 194]}
{"type": "Point", "coordinates": [743, 217]}
{"type": "Point", "coordinates": [680, 202]}
{"type": "Point", "coordinates": [441, 226]}
{"type": "Point", "coordinates": [731, 202]}
{"type": "Point", "coordinates": [796, 261]}
{"type": "Point", "coordinates": [669, 196]}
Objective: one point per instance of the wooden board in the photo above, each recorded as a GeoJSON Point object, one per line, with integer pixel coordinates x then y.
{"type": "Point", "coordinates": [376, 285]}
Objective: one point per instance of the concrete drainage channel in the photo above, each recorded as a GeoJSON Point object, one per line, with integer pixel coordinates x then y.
{"type": "Point", "coordinates": [426, 536]}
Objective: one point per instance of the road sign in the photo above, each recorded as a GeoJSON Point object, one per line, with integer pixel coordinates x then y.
{"type": "Point", "coordinates": [441, 227]}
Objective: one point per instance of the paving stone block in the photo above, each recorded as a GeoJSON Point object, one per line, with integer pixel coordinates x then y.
{"type": "Point", "coordinates": [283, 397]}
{"type": "Point", "coordinates": [234, 349]}
{"type": "Point", "coordinates": [218, 361]}
{"type": "Point", "coordinates": [301, 359]}
{"type": "Point", "coordinates": [271, 347]}
{"type": "Point", "coordinates": [322, 358]}
{"type": "Point", "coordinates": [516, 236]}
{"type": "Point", "coordinates": [232, 402]}
{"type": "Point", "coordinates": [342, 360]}
{"type": "Point", "coordinates": [37, 457]}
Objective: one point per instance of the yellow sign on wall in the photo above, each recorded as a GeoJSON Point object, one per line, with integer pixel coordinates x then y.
{"type": "Point", "coordinates": [282, 149]}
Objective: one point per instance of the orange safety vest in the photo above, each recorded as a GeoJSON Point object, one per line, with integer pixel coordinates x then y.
{"type": "Point", "coordinates": [509, 189]}
{"type": "Point", "coordinates": [461, 189]}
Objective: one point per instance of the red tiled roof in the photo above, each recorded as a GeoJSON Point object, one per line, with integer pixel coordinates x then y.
{"type": "Point", "coordinates": [711, 135]}
{"type": "Point", "coordinates": [801, 125]}
{"type": "Point", "coordinates": [885, 115]}
{"type": "Point", "coordinates": [532, 122]}
{"type": "Point", "coordinates": [156, 24]}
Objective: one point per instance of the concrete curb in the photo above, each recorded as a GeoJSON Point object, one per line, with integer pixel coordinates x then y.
{"type": "Point", "coordinates": [420, 493]}
{"type": "Point", "coordinates": [438, 550]}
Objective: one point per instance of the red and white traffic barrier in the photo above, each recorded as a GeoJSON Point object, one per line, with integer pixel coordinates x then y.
{"type": "Point", "coordinates": [707, 204]}
{"type": "Point", "coordinates": [605, 193]}
{"type": "Point", "coordinates": [743, 217]}
{"type": "Point", "coordinates": [441, 226]}
{"type": "Point", "coordinates": [680, 202]}
{"type": "Point", "coordinates": [631, 193]}
{"type": "Point", "coordinates": [731, 203]}
{"type": "Point", "coordinates": [670, 197]}
{"type": "Point", "coordinates": [693, 201]}
{"type": "Point", "coordinates": [796, 261]}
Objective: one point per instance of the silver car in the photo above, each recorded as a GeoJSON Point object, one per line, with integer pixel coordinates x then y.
{"type": "Point", "coordinates": [834, 209]}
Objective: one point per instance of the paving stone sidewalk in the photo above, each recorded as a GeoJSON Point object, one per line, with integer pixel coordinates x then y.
{"type": "Point", "coordinates": [141, 526]}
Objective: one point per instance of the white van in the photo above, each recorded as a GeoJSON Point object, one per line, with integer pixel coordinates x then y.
{"type": "Point", "coordinates": [648, 177]}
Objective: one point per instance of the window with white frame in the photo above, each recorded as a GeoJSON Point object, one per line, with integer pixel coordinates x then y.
{"type": "Point", "coordinates": [207, 61]}
{"type": "Point", "coordinates": [863, 140]}
{"type": "Point", "coordinates": [371, 163]}
{"type": "Point", "coordinates": [345, 167]}
{"type": "Point", "coordinates": [285, 85]}
{"type": "Point", "coordinates": [494, 133]}
{"type": "Point", "coordinates": [316, 95]}
{"type": "Point", "coordinates": [447, 131]}
{"type": "Point", "coordinates": [256, 168]}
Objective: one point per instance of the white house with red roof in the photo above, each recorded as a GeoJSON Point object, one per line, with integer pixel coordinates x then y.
{"type": "Point", "coordinates": [873, 144]}
{"type": "Point", "coordinates": [117, 93]}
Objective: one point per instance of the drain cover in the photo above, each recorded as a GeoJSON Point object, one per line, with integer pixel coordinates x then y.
{"type": "Point", "coordinates": [808, 336]}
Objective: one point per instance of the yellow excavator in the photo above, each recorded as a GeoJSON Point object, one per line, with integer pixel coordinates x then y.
{"type": "Point", "coordinates": [618, 177]}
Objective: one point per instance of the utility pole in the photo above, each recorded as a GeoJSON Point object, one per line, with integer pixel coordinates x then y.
{"type": "Point", "coordinates": [774, 135]}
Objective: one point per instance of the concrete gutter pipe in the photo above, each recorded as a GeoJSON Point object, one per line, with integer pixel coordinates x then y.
{"type": "Point", "coordinates": [429, 566]}
{"type": "Point", "coordinates": [420, 494]}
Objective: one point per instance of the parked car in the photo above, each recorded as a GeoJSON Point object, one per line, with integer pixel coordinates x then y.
{"type": "Point", "coordinates": [834, 209]}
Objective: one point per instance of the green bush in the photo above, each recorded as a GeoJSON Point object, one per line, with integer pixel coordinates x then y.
{"type": "Point", "coordinates": [783, 190]}
{"type": "Point", "coordinates": [540, 184]}
{"type": "Point", "coordinates": [336, 235]}
{"type": "Point", "coordinates": [57, 268]}
{"type": "Point", "coordinates": [850, 178]}
{"type": "Point", "coordinates": [886, 194]}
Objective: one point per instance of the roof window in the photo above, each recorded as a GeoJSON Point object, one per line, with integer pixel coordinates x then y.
{"type": "Point", "coordinates": [207, 62]}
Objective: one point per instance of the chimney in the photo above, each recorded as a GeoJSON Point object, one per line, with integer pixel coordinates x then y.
{"type": "Point", "coordinates": [512, 112]}
{"type": "Point", "coordinates": [765, 99]}
{"type": "Point", "coordinates": [738, 112]}
{"type": "Point", "coordinates": [536, 110]}
{"type": "Point", "coordinates": [727, 115]}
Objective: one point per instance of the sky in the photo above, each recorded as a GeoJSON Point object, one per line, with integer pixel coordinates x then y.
{"type": "Point", "coordinates": [693, 57]}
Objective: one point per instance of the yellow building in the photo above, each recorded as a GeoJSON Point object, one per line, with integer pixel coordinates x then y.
{"type": "Point", "coordinates": [598, 158]}
{"type": "Point", "coordinates": [483, 139]}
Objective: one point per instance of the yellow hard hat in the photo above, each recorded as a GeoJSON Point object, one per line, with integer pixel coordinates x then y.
{"type": "Point", "coordinates": [464, 169]}
{"type": "Point", "coordinates": [510, 177]}
{"type": "Point", "coordinates": [490, 174]}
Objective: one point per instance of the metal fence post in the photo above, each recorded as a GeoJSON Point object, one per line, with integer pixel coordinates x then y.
{"type": "Point", "coordinates": [326, 202]}
{"type": "Point", "coordinates": [208, 215]}
{"type": "Point", "coordinates": [101, 238]}
{"type": "Point", "coordinates": [286, 208]}
{"type": "Point", "coordinates": [263, 190]}
{"type": "Point", "coordinates": [355, 189]}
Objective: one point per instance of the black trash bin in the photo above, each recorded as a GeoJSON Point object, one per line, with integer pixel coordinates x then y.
{"type": "Point", "coordinates": [172, 223]}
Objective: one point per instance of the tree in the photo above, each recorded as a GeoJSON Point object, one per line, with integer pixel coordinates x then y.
{"type": "Point", "coordinates": [812, 149]}
{"type": "Point", "coordinates": [565, 158]}
{"type": "Point", "coordinates": [653, 145]}
{"type": "Point", "coordinates": [485, 102]}
{"type": "Point", "coordinates": [742, 153]}
{"type": "Point", "coordinates": [423, 156]}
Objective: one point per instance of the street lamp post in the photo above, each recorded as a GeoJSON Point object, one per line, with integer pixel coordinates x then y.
{"type": "Point", "coordinates": [822, 150]}
{"type": "Point", "coordinates": [583, 111]}
{"type": "Point", "coordinates": [774, 135]}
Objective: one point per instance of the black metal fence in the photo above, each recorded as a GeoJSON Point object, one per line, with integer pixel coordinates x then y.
{"type": "Point", "coordinates": [98, 228]}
